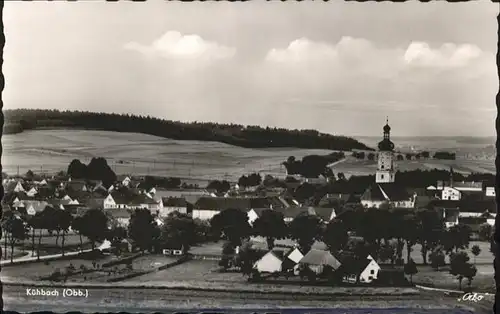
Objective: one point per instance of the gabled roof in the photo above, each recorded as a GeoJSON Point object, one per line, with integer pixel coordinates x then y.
{"type": "Point", "coordinates": [385, 192]}
{"type": "Point", "coordinates": [326, 214]}
{"type": "Point", "coordinates": [353, 266]}
{"type": "Point", "coordinates": [174, 202]}
{"type": "Point", "coordinates": [320, 257]}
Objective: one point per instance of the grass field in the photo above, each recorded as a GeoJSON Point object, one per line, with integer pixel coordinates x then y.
{"type": "Point", "coordinates": [52, 150]}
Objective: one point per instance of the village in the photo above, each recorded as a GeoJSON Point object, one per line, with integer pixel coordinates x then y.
{"type": "Point", "coordinates": [306, 230]}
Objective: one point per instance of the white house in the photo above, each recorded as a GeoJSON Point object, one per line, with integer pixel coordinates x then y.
{"type": "Point", "coordinates": [392, 193]}
{"type": "Point", "coordinates": [366, 270]}
{"type": "Point", "coordinates": [34, 207]}
{"type": "Point", "coordinates": [269, 263]}
{"type": "Point", "coordinates": [254, 213]}
{"type": "Point", "coordinates": [109, 202]}
{"type": "Point", "coordinates": [450, 194]}
{"type": "Point", "coordinates": [126, 181]}
{"type": "Point", "coordinates": [32, 192]}
{"type": "Point", "coordinates": [19, 187]}
{"type": "Point", "coordinates": [173, 204]}
{"type": "Point", "coordinates": [490, 191]}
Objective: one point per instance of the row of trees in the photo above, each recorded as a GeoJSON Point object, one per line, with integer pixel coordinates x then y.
{"type": "Point", "coordinates": [143, 230]}
{"type": "Point", "coordinates": [312, 166]}
{"type": "Point", "coordinates": [408, 156]}
{"type": "Point", "coordinates": [250, 136]}
{"type": "Point", "coordinates": [97, 169]}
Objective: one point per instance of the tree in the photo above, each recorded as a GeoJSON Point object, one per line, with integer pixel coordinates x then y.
{"type": "Point", "coordinates": [410, 269]}
{"type": "Point", "coordinates": [476, 250]}
{"type": "Point", "coordinates": [400, 157]}
{"type": "Point", "coordinates": [305, 229]}
{"type": "Point", "coordinates": [142, 229]}
{"type": "Point", "coordinates": [77, 226]}
{"type": "Point", "coordinates": [437, 258]}
{"type": "Point", "coordinates": [459, 266]}
{"type": "Point", "coordinates": [18, 231]}
{"type": "Point", "coordinates": [408, 156]}
{"type": "Point", "coordinates": [180, 230]}
{"type": "Point", "coordinates": [33, 223]}
{"type": "Point", "coordinates": [485, 232]}
{"type": "Point", "coordinates": [219, 186]}
{"type": "Point", "coordinates": [98, 169]}
{"type": "Point", "coordinates": [387, 252]}
{"type": "Point", "coordinates": [270, 225]}
{"type": "Point", "coordinates": [335, 235]}
{"type": "Point", "coordinates": [371, 156]}
{"type": "Point", "coordinates": [116, 235]}
{"type": "Point", "coordinates": [430, 231]}
{"type": "Point", "coordinates": [29, 175]}
{"type": "Point", "coordinates": [231, 224]}
{"type": "Point", "coordinates": [470, 272]}
{"type": "Point", "coordinates": [94, 226]}
{"type": "Point", "coordinates": [77, 169]}
{"type": "Point", "coordinates": [425, 154]}
{"type": "Point", "coordinates": [63, 221]}
{"type": "Point", "coordinates": [410, 231]}
{"type": "Point", "coordinates": [457, 237]}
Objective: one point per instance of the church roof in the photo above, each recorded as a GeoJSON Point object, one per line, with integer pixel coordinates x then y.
{"type": "Point", "coordinates": [386, 192]}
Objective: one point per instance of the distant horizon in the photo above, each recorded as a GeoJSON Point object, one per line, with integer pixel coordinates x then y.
{"type": "Point", "coordinates": [264, 126]}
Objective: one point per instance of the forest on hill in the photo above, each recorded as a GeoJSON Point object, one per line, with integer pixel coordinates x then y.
{"type": "Point", "coordinates": [19, 120]}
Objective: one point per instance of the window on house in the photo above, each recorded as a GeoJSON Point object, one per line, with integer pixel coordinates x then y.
{"type": "Point", "coordinates": [372, 272]}
{"type": "Point", "coordinates": [370, 278]}
{"type": "Point", "coordinates": [381, 176]}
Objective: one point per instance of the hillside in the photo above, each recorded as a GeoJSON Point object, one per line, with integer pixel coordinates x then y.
{"type": "Point", "coordinates": [19, 120]}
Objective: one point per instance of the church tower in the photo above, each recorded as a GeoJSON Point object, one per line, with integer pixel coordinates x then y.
{"type": "Point", "coordinates": [385, 167]}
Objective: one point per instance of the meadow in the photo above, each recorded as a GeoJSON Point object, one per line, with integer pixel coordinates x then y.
{"type": "Point", "coordinates": [132, 153]}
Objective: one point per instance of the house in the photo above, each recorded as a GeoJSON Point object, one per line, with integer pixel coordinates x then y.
{"type": "Point", "coordinates": [32, 192]}
{"type": "Point", "coordinates": [291, 260]}
{"type": "Point", "coordinates": [451, 194]}
{"type": "Point", "coordinates": [191, 195]}
{"type": "Point", "coordinates": [269, 263]}
{"type": "Point", "coordinates": [316, 260]}
{"type": "Point", "coordinates": [450, 216]}
{"type": "Point", "coordinates": [362, 270]}
{"type": "Point", "coordinates": [325, 214]}
{"type": "Point", "coordinates": [461, 186]}
{"type": "Point", "coordinates": [77, 186]}
{"type": "Point", "coordinates": [14, 186]}
{"type": "Point", "coordinates": [392, 193]}
{"type": "Point", "coordinates": [207, 207]}
{"type": "Point", "coordinates": [255, 213]}
{"type": "Point", "coordinates": [32, 208]}
{"type": "Point", "coordinates": [490, 191]}
{"type": "Point", "coordinates": [173, 204]}
{"type": "Point", "coordinates": [120, 215]}
{"type": "Point", "coordinates": [289, 214]}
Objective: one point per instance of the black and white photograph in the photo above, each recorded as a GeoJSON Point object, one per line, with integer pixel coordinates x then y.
{"type": "Point", "coordinates": [165, 156]}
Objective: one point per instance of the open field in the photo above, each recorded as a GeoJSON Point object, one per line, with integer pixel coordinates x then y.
{"type": "Point", "coordinates": [442, 279]}
{"type": "Point", "coordinates": [52, 151]}
{"type": "Point", "coordinates": [33, 271]}
{"type": "Point", "coordinates": [140, 300]}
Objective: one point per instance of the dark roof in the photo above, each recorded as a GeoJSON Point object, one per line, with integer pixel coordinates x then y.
{"type": "Point", "coordinates": [422, 201]}
{"type": "Point", "coordinates": [323, 213]}
{"type": "Point", "coordinates": [353, 266]}
{"type": "Point", "coordinates": [222, 203]}
{"type": "Point", "coordinates": [292, 212]}
{"type": "Point", "coordinates": [444, 204]}
{"type": "Point", "coordinates": [174, 202]}
{"type": "Point", "coordinates": [320, 257]}
{"type": "Point", "coordinates": [119, 213]}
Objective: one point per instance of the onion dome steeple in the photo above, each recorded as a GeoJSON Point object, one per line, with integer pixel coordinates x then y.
{"type": "Point", "coordinates": [386, 143]}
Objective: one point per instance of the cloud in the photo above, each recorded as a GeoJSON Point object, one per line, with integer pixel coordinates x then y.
{"type": "Point", "coordinates": [448, 55]}
{"type": "Point", "coordinates": [362, 55]}
{"type": "Point", "coordinates": [174, 45]}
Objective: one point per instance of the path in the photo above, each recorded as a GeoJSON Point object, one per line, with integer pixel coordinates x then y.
{"type": "Point", "coordinates": [29, 258]}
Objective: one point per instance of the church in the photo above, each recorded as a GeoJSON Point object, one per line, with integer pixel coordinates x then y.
{"type": "Point", "coordinates": [385, 190]}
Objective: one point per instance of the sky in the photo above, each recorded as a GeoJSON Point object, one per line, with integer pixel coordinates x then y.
{"type": "Point", "coordinates": [338, 67]}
